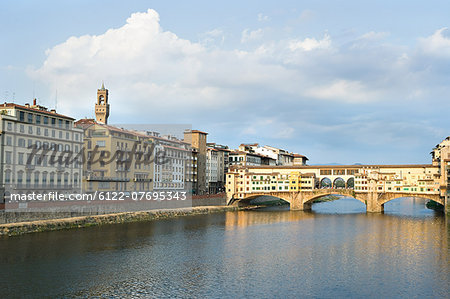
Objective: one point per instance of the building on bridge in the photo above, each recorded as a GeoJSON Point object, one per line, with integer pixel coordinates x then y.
{"type": "Point", "coordinates": [372, 184]}
{"type": "Point", "coordinates": [273, 155]}
{"type": "Point", "coordinates": [441, 159]}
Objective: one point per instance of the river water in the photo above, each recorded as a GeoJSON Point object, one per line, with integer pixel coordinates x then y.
{"type": "Point", "coordinates": [335, 250]}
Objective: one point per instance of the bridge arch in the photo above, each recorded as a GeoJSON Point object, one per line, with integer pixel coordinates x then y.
{"type": "Point", "coordinates": [339, 183]}
{"type": "Point", "coordinates": [326, 183]}
{"type": "Point", "coordinates": [387, 197]}
{"type": "Point", "coordinates": [344, 192]}
{"type": "Point", "coordinates": [281, 196]}
{"type": "Point", "coordinates": [351, 183]}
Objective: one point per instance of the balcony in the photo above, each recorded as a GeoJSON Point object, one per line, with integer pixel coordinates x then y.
{"type": "Point", "coordinates": [105, 179]}
{"type": "Point", "coordinates": [143, 180]}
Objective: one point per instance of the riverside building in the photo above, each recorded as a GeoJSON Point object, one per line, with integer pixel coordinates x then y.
{"type": "Point", "coordinates": [51, 135]}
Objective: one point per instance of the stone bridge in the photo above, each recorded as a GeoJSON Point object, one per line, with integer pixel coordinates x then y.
{"type": "Point", "coordinates": [374, 201]}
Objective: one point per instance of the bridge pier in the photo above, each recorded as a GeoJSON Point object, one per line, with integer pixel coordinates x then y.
{"type": "Point", "coordinates": [297, 202]}
{"type": "Point", "coordinates": [374, 207]}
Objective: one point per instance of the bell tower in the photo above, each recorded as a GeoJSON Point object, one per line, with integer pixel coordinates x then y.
{"type": "Point", "coordinates": [102, 106]}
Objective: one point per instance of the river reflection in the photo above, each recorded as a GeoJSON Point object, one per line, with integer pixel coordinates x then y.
{"type": "Point", "coordinates": [335, 250]}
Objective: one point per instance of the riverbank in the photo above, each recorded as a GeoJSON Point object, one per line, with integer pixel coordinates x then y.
{"type": "Point", "coordinates": [14, 229]}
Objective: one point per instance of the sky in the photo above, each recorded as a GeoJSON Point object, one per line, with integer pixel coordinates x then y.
{"type": "Point", "coordinates": [338, 81]}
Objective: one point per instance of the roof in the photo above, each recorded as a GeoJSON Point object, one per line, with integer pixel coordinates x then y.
{"type": "Point", "coordinates": [13, 105]}
{"type": "Point", "coordinates": [300, 156]}
{"type": "Point", "coordinates": [340, 166]}
{"type": "Point", "coordinates": [196, 131]}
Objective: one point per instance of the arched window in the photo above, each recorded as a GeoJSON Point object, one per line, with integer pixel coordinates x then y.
{"type": "Point", "coordinates": [58, 179]}
{"type": "Point", "coordinates": [44, 179]}
{"type": "Point", "coordinates": [8, 176]}
{"type": "Point", "coordinates": [75, 180]}
{"type": "Point", "coordinates": [36, 179]}
{"type": "Point", "coordinates": [66, 179]}
{"type": "Point", "coordinates": [52, 178]}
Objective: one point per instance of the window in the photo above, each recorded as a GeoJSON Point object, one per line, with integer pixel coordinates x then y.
{"type": "Point", "coordinates": [9, 126]}
{"type": "Point", "coordinates": [44, 179]}
{"type": "Point", "coordinates": [67, 125]}
{"type": "Point", "coordinates": [67, 148]}
{"type": "Point", "coordinates": [67, 135]}
{"type": "Point", "coordinates": [45, 120]}
{"type": "Point", "coordinates": [38, 119]}
{"type": "Point", "coordinates": [21, 116]}
{"type": "Point", "coordinates": [21, 142]}
{"type": "Point", "coordinates": [46, 132]}
{"type": "Point", "coordinates": [8, 140]}
{"type": "Point", "coordinates": [7, 176]}
{"type": "Point", "coordinates": [20, 159]}
{"type": "Point", "coordinates": [36, 178]}
{"type": "Point", "coordinates": [30, 118]}
{"type": "Point", "coordinates": [22, 129]}
{"type": "Point", "coordinates": [28, 179]}
{"type": "Point", "coordinates": [8, 156]}
{"type": "Point", "coordinates": [53, 122]}
{"type": "Point", "coordinates": [101, 143]}
{"type": "Point", "coordinates": [52, 178]}
{"type": "Point", "coordinates": [53, 133]}
{"type": "Point", "coordinates": [76, 137]}
{"type": "Point", "coordinates": [60, 123]}
{"type": "Point", "coordinates": [30, 130]}
{"type": "Point", "coordinates": [38, 131]}
{"type": "Point", "coordinates": [20, 177]}
{"type": "Point", "coordinates": [30, 143]}
{"type": "Point", "coordinates": [60, 134]}
{"type": "Point", "coordinates": [58, 180]}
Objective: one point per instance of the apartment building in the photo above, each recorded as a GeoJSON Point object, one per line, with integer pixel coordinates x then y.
{"type": "Point", "coordinates": [441, 158]}
{"type": "Point", "coordinates": [39, 151]}
{"type": "Point", "coordinates": [197, 172]}
{"type": "Point", "coordinates": [222, 152]}
{"type": "Point", "coordinates": [273, 155]}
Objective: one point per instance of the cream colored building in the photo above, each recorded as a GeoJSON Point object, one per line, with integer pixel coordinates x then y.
{"type": "Point", "coordinates": [420, 179]}
{"type": "Point", "coordinates": [54, 136]}
{"type": "Point", "coordinates": [441, 158]}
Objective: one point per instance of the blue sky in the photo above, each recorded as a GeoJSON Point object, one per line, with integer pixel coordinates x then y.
{"type": "Point", "coordinates": [338, 81]}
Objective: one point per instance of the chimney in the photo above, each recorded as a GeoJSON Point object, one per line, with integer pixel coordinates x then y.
{"type": "Point", "coordinates": [34, 102]}
{"type": "Point", "coordinates": [27, 105]}
{"type": "Point", "coordinates": [53, 111]}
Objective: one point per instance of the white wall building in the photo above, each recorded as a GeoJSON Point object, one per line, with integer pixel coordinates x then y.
{"type": "Point", "coordinates": [53, 134]}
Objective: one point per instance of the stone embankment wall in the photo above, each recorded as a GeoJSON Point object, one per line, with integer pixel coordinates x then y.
{"type": "Point", "coordinates": [12, 229]}
{"type": "Point", "coordinates": [39, 211]}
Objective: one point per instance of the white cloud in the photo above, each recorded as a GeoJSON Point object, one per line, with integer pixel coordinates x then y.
{"type": "Point", "coordinates": [437, 44]}
{"type": "Point", "coordinates": [372, 35]}
{"type": "Point", "coordinates": [309, 44]}
{"type": "Point", "coordinates": [212, 37]}
{"type": "Point", "coordinates": [248, 35]}
{"type": "Point", "coordinates": [343, 91]}
{"type": "Point", "coordinates": [155, 76]}
{"type": "Point", "coordinates": [263, 18]}
{"type": "Point", "coordinates": [306, 15]}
